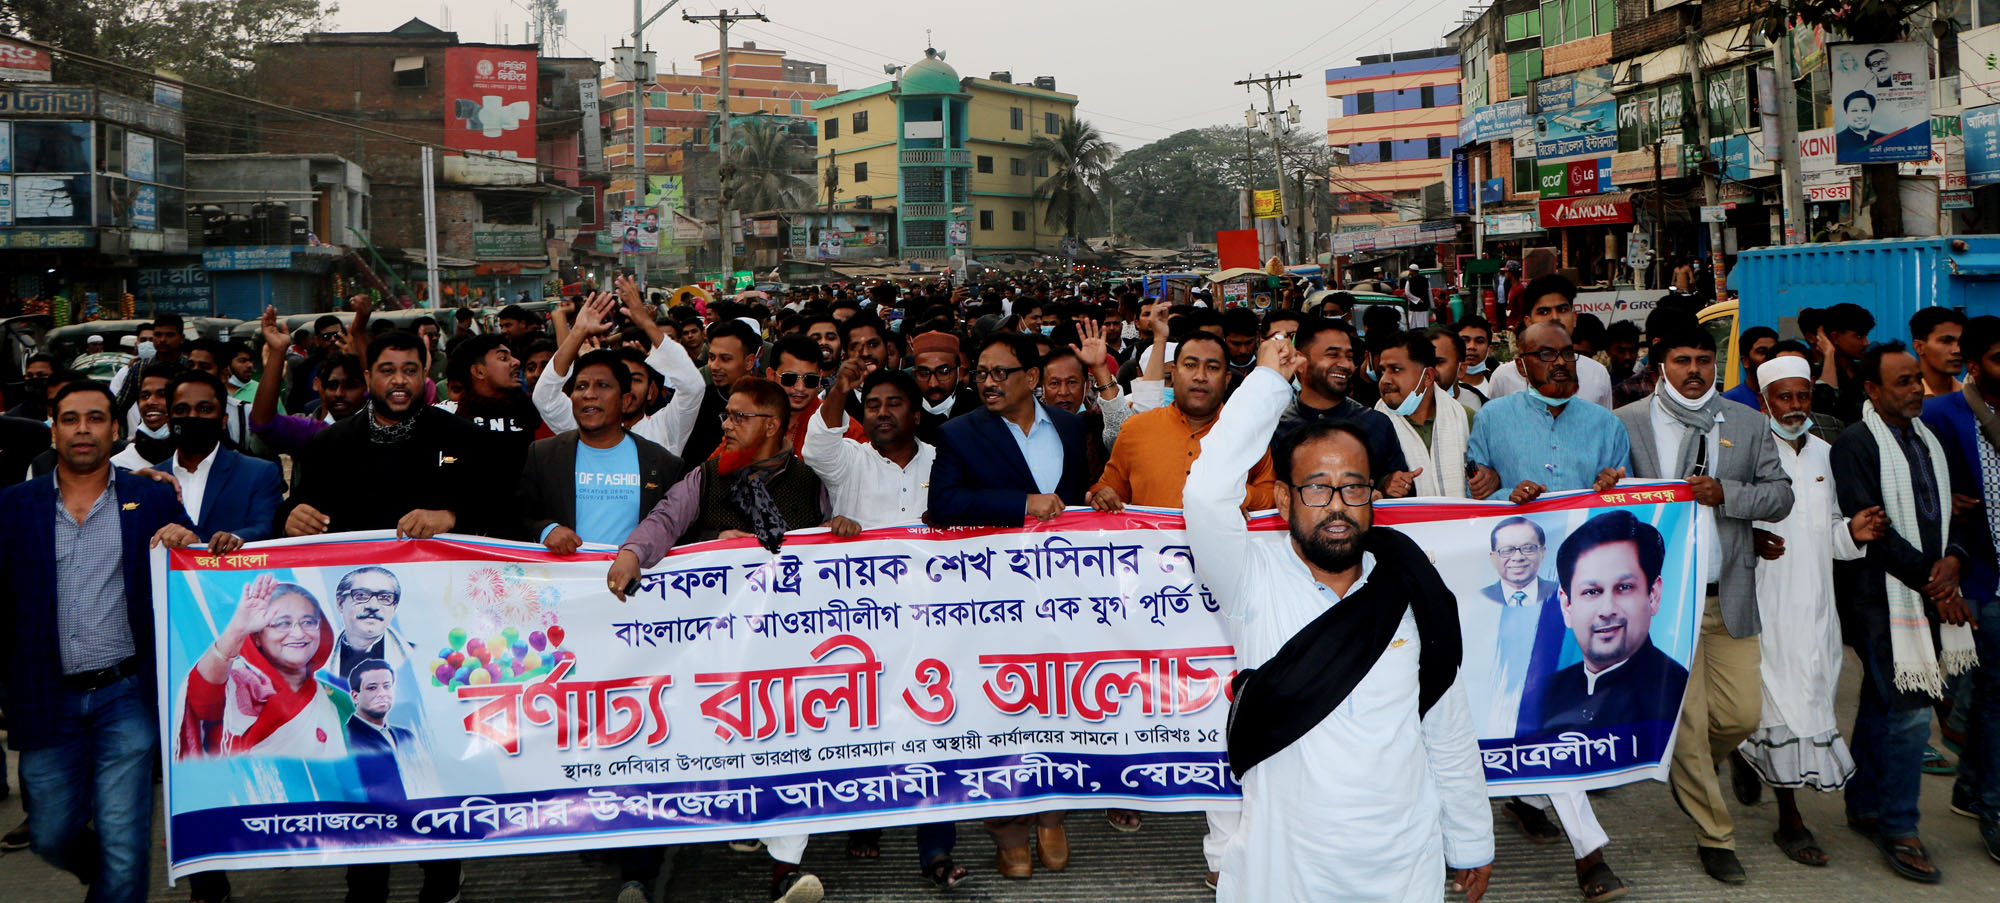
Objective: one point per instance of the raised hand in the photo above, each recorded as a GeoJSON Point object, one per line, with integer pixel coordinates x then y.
{"type": "Point", "coordinates": [1276, 353]}
{"type": "Point", "coordinates": [1092, 351]}
{"type": "Point", "coordinates": [275, 336]}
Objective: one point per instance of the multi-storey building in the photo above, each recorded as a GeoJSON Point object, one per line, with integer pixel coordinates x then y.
{"type": "Point", "coordinates": [950, 154]}
{"type": "Point", "coordinates": [1396, 117]}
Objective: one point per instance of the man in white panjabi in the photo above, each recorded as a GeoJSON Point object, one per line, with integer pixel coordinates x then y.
{"type": "Point", "coordinates": [1353, 742]}
{"type": "Point", "coordinates": [1798, 742]}
{"type": "Point", "coordinates": [1431, 426]}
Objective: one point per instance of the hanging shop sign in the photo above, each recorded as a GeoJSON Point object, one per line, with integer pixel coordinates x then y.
{"type": "Point", "coordinates": [1602, 210]}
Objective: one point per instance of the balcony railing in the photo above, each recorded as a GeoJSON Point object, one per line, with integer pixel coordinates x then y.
{"type": "Point", "coordinates": [936, 157]}
{"type": "Point", "coordinates": [926, 211]}
{"type": "Point", "coordinates": [925, 253]}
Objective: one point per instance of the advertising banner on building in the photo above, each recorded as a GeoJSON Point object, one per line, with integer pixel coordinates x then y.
{"type": "Point", "coordinates": [639, 230]}
{"type": "Point", "coordinates": [489, 116]}
{"type": "Point", "coordinates": [589, 100]}
{"type": "Point", "coordinates": [1495, 121]}
{"type": "Point", "coordinates": [1979, 66]}
{"type": "Point", "coordinates": [354, 698]}
{"type": "Point", "coordinates": [1982, 146]}
{"type": "Point", "coordinates": [1576, 89]}
{"type": "Point", "coordinates": [23, 63]}
{"type": "Point", "coordinates": [6, 201]}
{"type": "Point", "coordinates": [1461, 182]}
{"type": "Point", "coordinates": [1881, 102]}
{"type": "Point", "coordinates": [185, 290]}
{"type": "Point", "coordinates": [1586, 131]}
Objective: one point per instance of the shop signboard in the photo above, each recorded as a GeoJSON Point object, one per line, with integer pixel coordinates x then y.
{"type": "Point", "coordinates": [145, 209]}
{"type": "Point", "coordinates": [23, 62]}
{"type": "Point", "coordinates": [184, 289]}
{"type": "Point", "coordinates": [6, 201]}
{"type": "Point", "coordinates": [489, 116]}
{"type": "Point", "coordinates": [1881, 102]}
{"type": "Point", "coordinates": [48, 239]}
{"type": "Point", "coordinates": [588, 101]}
{"type": "Point", "coordinates": [1499, 224]}
{"type": "Point", "coordinates": [496, 244]}
{"type": "Point", "coordinates": [1602, 210]}
{"type": "Point", "coordinates": [1585, 131]}
{"type": "Point", "coordinates": [1576, 89]}
{"type": "Point", "coordinates": [1979, 66]}
{"type": "Point", "coordinates": [1494, 121]}
{"type": "Point", "coordinates": [1982, 146]}
{"type": "Point", "coordinates": [1955, 199]}
{"type": "Point", "coordinates": [1461, 182]}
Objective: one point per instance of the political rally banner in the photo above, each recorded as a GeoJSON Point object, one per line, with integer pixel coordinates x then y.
{"type": "Point", "coordinates": [1881, 102]}
{"type": "Point", "coordinates": [397, 700]}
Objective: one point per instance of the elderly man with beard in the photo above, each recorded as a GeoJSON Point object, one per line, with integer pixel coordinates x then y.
{"type": "Point", "coordinates": [1353, 742]}
{"type": "Point", "coordinates": [1688, 431]}
{"type": "Point", "coordinates": [1546, 439]}
{"type": "Point", "coordinates": [1552, 299]}
{"type": "Point", "coordinates": [1798, 742]}
{"type": "Point", "coordinates": [755, 487]}
{"type": "Point", "coordinates": [1900, 605]}
{"type": "Point", "coordinates": [427, 472]}
{"type": "Point", "coordinates": [1431, 425]}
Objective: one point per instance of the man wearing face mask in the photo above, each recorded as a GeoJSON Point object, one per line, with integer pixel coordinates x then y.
{"type": "Point", "coordinates": [164, 347]}
{"type": "Point", "coordinates": [33, 404]}
{"type": "Point", "coordinates": [152, 441]}
{"type": "Point", "coordinates": [221, 489]}
{"type": "Point", "coordinates": [1431, 426]}
{"type": "Point", "coordinates": [1687, 430]}
{"type": "Point", "coordinates": [1546, 439]}
{"type": "Point", "coordinates": [1552, 299]}
{"type": "Point", "coordinates": [1798, 741]}
{"type": "Point", "coordinates": [940, 372]}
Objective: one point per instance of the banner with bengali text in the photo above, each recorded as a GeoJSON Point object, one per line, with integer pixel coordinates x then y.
{"type": "Point", "coordinates": [402, 700]}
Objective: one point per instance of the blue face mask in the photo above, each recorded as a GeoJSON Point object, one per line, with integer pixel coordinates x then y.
{"type": "Point", "coordinates": [1048, 329]}
{"type": "Point", "coordinates": [1371, 374]}
{"type": "Point", "coordinates": [1544, 399]}
{"type": "Point", "coordinates": [1790, 432]}
{"type": "Point", "coordinates": [1413, 400]}
{"type": "Point", "coordinates": [1476, 369]}
{"type": "Point", "coordinates": [1170, 395]}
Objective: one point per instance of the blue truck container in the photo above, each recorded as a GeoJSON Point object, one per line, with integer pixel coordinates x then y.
{"type": "Point", "coordinates": [1891, 277]}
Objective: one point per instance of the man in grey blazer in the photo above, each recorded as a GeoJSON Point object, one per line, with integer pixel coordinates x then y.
{"type": "Point", "coordinates": [1685, 430]}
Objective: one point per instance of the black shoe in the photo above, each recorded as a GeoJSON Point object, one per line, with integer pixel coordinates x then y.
{"type": "Point", "coordinates": [16, 839]}
{"type": "Point", "coordinates": [1744, 780]}
{"type": "Point", "coordinates": [1722, 865]}
{"type": "Point", "coordinates": [1989, 834]}
{"type": "Point", "coordinates": [1532, 821]}
{"type": "Point", "coordinates": [1961, 803]}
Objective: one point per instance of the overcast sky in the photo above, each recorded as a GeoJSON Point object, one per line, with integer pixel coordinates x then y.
{"type": "Point", "coordinates": [1142, 69]}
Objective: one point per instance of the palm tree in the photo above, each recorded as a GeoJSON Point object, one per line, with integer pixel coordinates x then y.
{"type": "Point", "coordinates": [1076, 160]}
{"type": "Point", "coordinates": [763, 174]}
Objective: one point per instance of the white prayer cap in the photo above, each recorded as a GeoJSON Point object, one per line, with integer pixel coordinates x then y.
{"type": "Point", "coordinates": [1789, 366]}
{"type": "Point", "coordinates": [751, 322]}
{"type": "Point", "coordinates": [94, 340]}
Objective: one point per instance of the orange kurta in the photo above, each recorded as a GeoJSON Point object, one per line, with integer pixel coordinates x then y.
{"type": "Point", "coordinates": [1149, 464]}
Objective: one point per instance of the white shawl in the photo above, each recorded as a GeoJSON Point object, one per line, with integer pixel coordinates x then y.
{"type": "Point", "coordinates": [1918, 663]}
{"type": "Point", "coordinates": [1444, 461]}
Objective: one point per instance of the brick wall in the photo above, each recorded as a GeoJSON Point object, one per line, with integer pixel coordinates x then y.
{"type": "Point", "coordinates": [1575, 55]}
{"type": "Point", "coordinates": [353, 82]}
{"type": "Point", "coordinates": [1649, 33]}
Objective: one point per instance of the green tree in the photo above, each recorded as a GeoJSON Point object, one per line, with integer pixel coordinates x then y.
{"type": "Point", "coordinates": [1187, 182]}
{"type": "Point", "coordinates": [1077, 160]}
{"type": "Point", "coordinates": [763, 173]}
{"type": "Point", "coordinates": [210, 43]}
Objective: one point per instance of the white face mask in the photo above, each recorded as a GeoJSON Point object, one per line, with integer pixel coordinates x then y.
{"type": "Point", "coordinates": [1790, 432]}
{"type": "Point", "coordinates": [942, 408]}
{"type": "Point", "coordinates": [161, 433]}
{"type": "Point", "coordinates": [1692, 404]}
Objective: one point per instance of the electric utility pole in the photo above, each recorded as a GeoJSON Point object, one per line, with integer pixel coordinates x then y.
{"type": "Point", "coordinates": [1270, 84]}
{"type": "Point", "coordinates": [723, 171]}
{"type": "Point", "coordinates": [642, 77]}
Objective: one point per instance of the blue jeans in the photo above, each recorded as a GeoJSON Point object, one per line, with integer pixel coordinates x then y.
{"type": "Point", "coordinates": [99, 769]}
{"type": "Point", "coordinates": [1979, 763]}
{"type": "Point", "coordinates": [1888, 745]}
{"type": "Point", "coordinates": [935, 841]}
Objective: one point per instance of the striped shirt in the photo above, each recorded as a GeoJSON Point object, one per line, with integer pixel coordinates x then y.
{"type": "Point", "coordinates": [94, 629]}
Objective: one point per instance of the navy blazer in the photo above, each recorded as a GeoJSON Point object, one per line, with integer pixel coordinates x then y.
{"type": "Point", "coordinates": [242, 497]}
{"type": "Point", "coordinates": [33, 667]}
{"type": "Point", "coordinates": [1949, 417]}
{"type": "Point", "coordinates": [981, 479]}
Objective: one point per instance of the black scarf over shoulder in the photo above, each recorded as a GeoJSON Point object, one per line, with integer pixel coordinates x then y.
{"type": "Point", "coordinates": [1288, 696]}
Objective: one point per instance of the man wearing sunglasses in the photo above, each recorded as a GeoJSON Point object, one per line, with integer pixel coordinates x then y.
{"type": "Point", "coordinates": [798, 373]}
{"type": "Point", "coordinates": [1369, 801]}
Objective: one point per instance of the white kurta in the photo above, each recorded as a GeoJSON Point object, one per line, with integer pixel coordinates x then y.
{"type": "Point", "coordinates": [1798, 741]}
{"type": "Point", "coordinates": [1374, 802]}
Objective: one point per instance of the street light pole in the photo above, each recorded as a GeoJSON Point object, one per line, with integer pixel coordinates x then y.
{"type": "Point", "coordinates": [1270, 84]}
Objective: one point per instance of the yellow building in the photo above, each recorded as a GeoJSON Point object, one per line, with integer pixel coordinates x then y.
{"type": "Point", "coordinates": [949, 154]}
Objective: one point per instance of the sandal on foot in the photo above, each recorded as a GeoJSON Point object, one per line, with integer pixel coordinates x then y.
{"type": "Point", "coordinates": [944, 874]}
{"type": "Point", "coordinates": [1894, 850]}
{"type": "Point", "coordinates": [1124, 821]}
{"type": "Point", "coordinates": [1600, 884]}
{"type": "Point", "coordinates": [1532, 821]}
{"type": "Point", "coordinates": [1936, 763]}
{"type": "Point", "coordinates": [1800, 846]}
{"type": "Point", "coordinates": [864, 844]}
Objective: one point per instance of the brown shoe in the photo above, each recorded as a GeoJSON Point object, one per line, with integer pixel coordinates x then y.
{"type": "Point", "coordinates": [1014, 862]}
{"type": "Point", "coordinates": [1053, 844]}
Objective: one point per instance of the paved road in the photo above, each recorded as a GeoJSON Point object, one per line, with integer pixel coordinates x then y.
{"type": "Point", "coordinates": [1652, 848]}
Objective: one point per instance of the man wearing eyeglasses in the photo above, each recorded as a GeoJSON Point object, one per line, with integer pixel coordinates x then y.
{"type": "Point", "coordinates": [1350, 735]}
{"type": "Point", "coordinates": [1552, 299]}
{"type": "Point", "coordinates": [939, 366]}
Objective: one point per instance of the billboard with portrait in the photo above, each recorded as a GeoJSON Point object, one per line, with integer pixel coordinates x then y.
{"type": "Point", "coordinates": [1881, 102]}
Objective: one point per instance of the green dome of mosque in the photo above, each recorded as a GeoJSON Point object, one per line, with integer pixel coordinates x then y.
{"type": "Point", "coordinates": [930, 75]}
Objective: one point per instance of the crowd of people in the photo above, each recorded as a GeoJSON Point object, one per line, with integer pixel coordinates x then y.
{"type": "Point", "coordinates": [1841, 490]}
